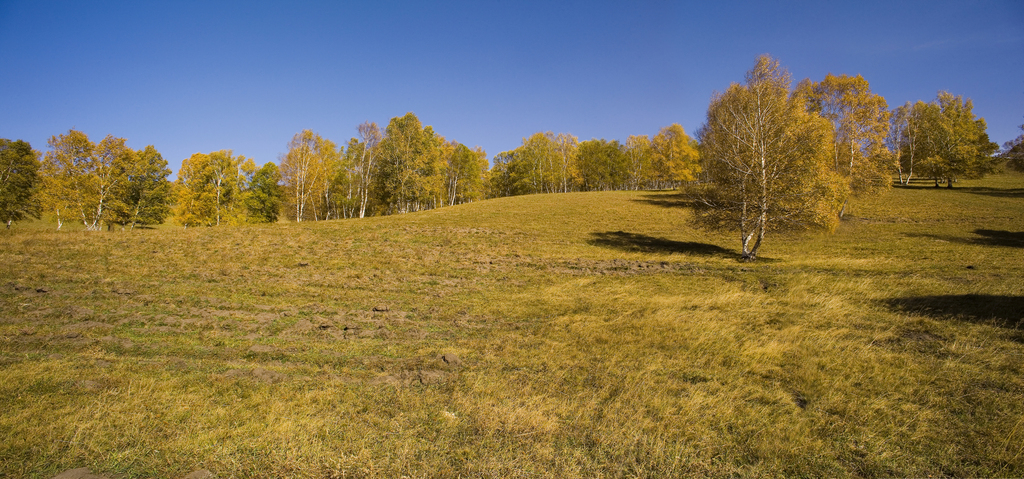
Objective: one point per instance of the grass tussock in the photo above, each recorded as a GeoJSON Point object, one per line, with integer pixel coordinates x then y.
{"type": "Point", "coordinates": [575, 335]}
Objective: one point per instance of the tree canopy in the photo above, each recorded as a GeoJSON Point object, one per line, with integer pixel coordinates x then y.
{"type": "Point", "coordinates": [767, 160]}
{"type": "Point", "coordinates": [955, 144]}
{"type": "Point", "coordinates": [19, 181]}
{"type": "Point", "coordinates": [210, 189]}
{"type": "Point", "coordinates": [103, 183]}
{"type": "Point", "coordinates": [860, 124]}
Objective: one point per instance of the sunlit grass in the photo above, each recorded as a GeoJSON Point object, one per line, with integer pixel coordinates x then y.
{"type": "Point", "coordinates": [586, 335]}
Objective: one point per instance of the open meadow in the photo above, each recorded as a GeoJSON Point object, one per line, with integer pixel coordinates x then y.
{"type": "Point", "coordinates": [569, 335]}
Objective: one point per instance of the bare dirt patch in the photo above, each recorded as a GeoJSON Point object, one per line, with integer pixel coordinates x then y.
{"type": "Point", "coordinates": [622, 267]}
{"type": "Point", "coordinates": [258, 374]}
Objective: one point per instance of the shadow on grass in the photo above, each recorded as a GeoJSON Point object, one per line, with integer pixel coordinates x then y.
{"type": "Point", "coordinates": [1010, 239]}
{"type": "Point", "coordinates": [1003, 311]}
{"type": "Point", "coordinates": [674, 200]}
{"type": "Point", "coordinates": [1013, 239]}
{"type": "Point", "coordinates": [997, 192]}
{"type": "Point", "coordinates": [974, 190]}
{"type": "Point", "coordinates": [648, 244]}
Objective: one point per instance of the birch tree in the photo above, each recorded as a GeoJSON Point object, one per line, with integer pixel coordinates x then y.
{"type": "Point", "coordinates": [860, 124]}
{"type": "Point", "coordinates": [81, 175]}
{"type": "Point", "coordinates": [370, 137]}
{"type": "Point", "coordinates": [766, 158]}
{"type": "Point", "coordinates": [676, 159]}
{"type": "Point", "coordinates": [567, 146]}
{"type": "Point", "coordinates": [957, 143]}
{"type": "Point", "coordinates": [209, 189]}
{"type": "Point", "coordinates": [541, 151]}
{"type": "Point", "coordinates": [225, 176]}
{"type": "Point", "coordinates": [108, 171]}
{"type": "Point", "coordinates": [401, 153]}
{"type": "Point", "coordinates": [195, 191]}
{"type": "Point", "coordinates": [463, 173]}
{"type": "Point", "coordinates": [63, 167]}
{"type": "Point", "coordinates": [640, 154]}
{"type": "Point", "coordinates": [306, 172]}
{"type": "Point", "coordinates": [902, 130]}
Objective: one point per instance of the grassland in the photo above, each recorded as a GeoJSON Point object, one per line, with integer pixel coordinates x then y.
{"type": "Point", "coordinates": [575, 335]}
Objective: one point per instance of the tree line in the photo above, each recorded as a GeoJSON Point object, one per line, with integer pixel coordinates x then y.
{"type": "Point", "coordinates": [769, 156]}
{"type": "Point", "coordinates": [550, 163]}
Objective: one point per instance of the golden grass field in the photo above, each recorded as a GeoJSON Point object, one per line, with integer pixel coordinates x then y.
{"type": "Point", "coordinates": [572, 335]}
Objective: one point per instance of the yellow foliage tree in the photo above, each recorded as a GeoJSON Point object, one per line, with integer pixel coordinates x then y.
{"type": "Point", "coordinates": [209, 189]}
{"type": "Point", "coordinates": [766, 160]}
{"type": "Point", "coordinates": [860, 125]}
{"type": "Point", "coordinates": [307, 171]}
{"type": "Point", "coordinates": [676, 159]}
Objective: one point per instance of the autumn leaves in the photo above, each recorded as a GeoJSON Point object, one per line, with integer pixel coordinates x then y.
{"type": "Point", "coordinates": [769, 157]}
{"type": "Point", "coordinates": [781, 158]}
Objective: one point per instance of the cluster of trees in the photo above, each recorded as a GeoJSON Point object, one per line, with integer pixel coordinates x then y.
{"type": "Point", "coordinates": [407, 167]}
{"type": "Point", "coordinates": [109, 184]}
{"type": "Point", "coordinates": [780, 158]}
{"type": "Point", "coordinates": [105, 183]}
{"type": "Point", "coordinates": [769, 156]}
{"type": "Point", "coordinates": [942, 139]}
{"type": "Point", "coordinates": [550, 163]}
{"type": "Point", "coordinates": [221, 188]}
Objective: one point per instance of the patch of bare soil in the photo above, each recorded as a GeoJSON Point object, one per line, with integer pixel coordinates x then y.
{"type": "Point", "coordinates": [89, 385]}
{"type": "Point", "coordinates": [123, 343]}
{"type": "Point", "coordinates": [421, 371]}
{"type": "Point", "coordinates": [77, 312]}
{"type": "Point", "coordinates": [85, 326]}
{"type": "Point", "coordinates": [86, 473]}
{"type": "Point", "coordinates": [621, 267]}
{"type": "Point", "coordinates": [261, 375]}
{"type": "Point", "coordinates": [417, 377]}
{"type": "Point", "coordinates": [80, 473]}
{"type": "Point", "coordinates": [30, 290]}
{"type": "Point", "coordinates": [925, 336]}
{"type": "Point", "coordinates": [200, 474]}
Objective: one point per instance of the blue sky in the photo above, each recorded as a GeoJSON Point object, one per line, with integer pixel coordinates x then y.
{"type": "Point", "coordinates": [202, 76]}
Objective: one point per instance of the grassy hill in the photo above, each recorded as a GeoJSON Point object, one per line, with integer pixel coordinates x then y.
{"type": "Point", "coordinates": [574, 335]}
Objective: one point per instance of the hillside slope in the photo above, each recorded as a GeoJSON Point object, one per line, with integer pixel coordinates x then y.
{"type": "Point", "coordinates": [575, 335]}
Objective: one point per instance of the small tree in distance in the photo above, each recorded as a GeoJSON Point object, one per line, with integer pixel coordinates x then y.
{"type": "Point", "coordinates": [1013, 151]}
{"type": "Point", "coordinates": [767, 161]}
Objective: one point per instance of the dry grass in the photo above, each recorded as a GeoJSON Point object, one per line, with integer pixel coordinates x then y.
{"type": "Point", "coordinates": [586, 335]}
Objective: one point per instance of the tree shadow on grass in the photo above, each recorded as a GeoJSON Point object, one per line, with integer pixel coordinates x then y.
{"type": "Point", "coordinates": [1000, 310]}
{"type": "Point", "coordinates": [1010, 239]}
{"type": "Point", "coordinates": [996, 192]}
{"type": "Point", "coordinates": [1013, 239]}
{"type": "Point", "coordinates": [674, 200]}
{"type": "Point", "coordinates": [634, 242]}
{"type": "Point", "coordinates": [974, 190]}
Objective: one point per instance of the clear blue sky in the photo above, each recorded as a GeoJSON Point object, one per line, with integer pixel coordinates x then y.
{"type": "Point", "coordinates": [202, 76]}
